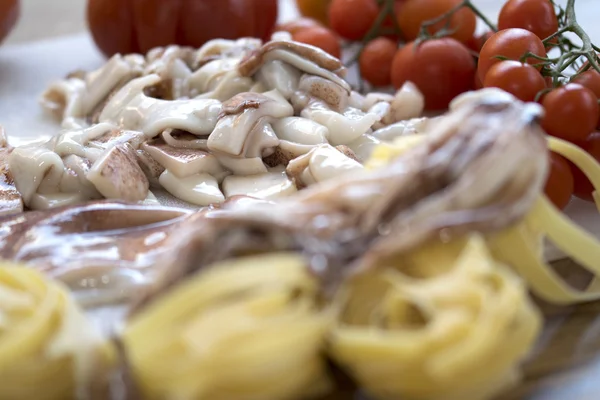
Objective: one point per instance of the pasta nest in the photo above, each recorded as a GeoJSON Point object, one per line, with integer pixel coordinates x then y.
{"type": "Point", "coordinates": [48, 349]}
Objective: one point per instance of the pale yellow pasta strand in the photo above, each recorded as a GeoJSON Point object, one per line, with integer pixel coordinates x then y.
{"type": "Point", "coordinates": [244, 329]}
{"type": "Point", "coordinates": [48, 351]}
{"type": "Point", "coordinates": [479, 325]}
{"type": "Point", "coordinates": [586, 163]}
{"type": "Point", "coordinates": [521, 245]}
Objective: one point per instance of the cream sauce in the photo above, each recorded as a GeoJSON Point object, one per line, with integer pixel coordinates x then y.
{"type": "Point", "coordinates": [271, 185]}
{"type": "Point", "coordinates": [200, 189]}
{"type": "Point", "coordinates": [131, 109]}
{"type": "Point", "coordinates": [202, 135]}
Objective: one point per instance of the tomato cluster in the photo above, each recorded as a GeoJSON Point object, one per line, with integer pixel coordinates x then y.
{"type": "Point", "coordinates": [571, 108]}
{"type": "Point", "coordinates": [444, 57]}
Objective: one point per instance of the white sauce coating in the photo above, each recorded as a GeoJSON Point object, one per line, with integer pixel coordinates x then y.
{"type": "Point", "coordinates": [188, 121]}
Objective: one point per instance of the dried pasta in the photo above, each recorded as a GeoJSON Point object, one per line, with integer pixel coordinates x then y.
{"type": "Point", "coordinates": [444, 322]}
{"type": "Point", "coordinates": [521, 246]}
{"type": "Point", "coordinates": [245, 329]}
{"type": "Point", "coordinates": [48, 350]}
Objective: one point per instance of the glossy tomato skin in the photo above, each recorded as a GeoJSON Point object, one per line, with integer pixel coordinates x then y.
{"type": "Point", "coordinates": [560, 184]}
{"type": "Point", "coordinates": [583, 187]}
{"type": "Point", "coordinates": [9, 14]}
{"type": "Point", "coordinates": [136, 26]}
{"type": "Point", "coordinates": [376, 61]}
{"type": "Point", "coordinates": [316, 9]}
{"type": "Point", "coordinates": [320, 37]}
{"type": "Point", "coordinates": [571, 112]}
{"type": "Point", "coordinates": [512, 44]}
{"type": "Point", "coordinates": [351, 19]}
{"type": "Point", "coordinates": [477, 41]}
{"type": "Point", "coordinates": [591, 80]}
{"type": "Point", "coordinates": [297, 25]}
{"type": "Point", "coordinates": [441, 68]}
{"type": "Point", "coordinates": [413, 13]}
{"type": "Point", "coordinates": [537, 16]}
{"type": "Point", "coordinates": [519, 79]}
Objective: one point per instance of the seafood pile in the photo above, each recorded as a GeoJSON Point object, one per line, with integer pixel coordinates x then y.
{"type": "Point", "coordinates": [231, 118]}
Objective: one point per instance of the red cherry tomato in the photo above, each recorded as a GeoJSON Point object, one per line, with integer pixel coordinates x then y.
{"type": "Point", "coordinates": [571, 112]}
{"type": "Point", "coordinates": [537, 16]}
{"type": "Point", "coordinates": [317, 9]}
{"type": "Point", "coordinates": [414, 12]}
{"type": "Point", "coordinates": [389, 24]}
{"type": "Point", "coordinates": [583, 187]}
{"type": "Point", "coordinates": [477, 42]}
{"type": "Point", "coordinates": [320, 37]}
{"type": "Point", "coordinates": [9, 14]}
{"type": "Point", "coordinates": [512, 44]}
{"type": "Point", "coordinates": [376, 61]}
{"type": "Point", "coordinates": [441, 69]}
{"type": "Point", "coordinates": [297, 25]}
{"type": "Point", "coordinates": [521, 80]}
{"type": "Point", "coordinates": [477, 82]}
{"type": "Point", "coordinates": [559, 185]}
{"type": "Point", "coordinates": [351, 19]}
{"type": "Point", "coordinates": [591, 80]}
{"type": "Point", "coordinates": [136, 26]}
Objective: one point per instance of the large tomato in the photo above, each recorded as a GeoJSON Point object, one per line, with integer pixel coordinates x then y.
{"type": "Point", "coordinates": [136, 26]}
{"type": "Point", "coordinates": [9, 13]}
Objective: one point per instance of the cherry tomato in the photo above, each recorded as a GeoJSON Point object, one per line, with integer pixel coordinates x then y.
{"type": "Point", "coordinates": [519, 79]}
{"type": "Point", "coordinates": [560, 184]}
{"type": "Point", "coordinates": [9, 14]}
{"type": "Point", "coordinates": [136, 26]}
{"type": "Point", "coordinates": [512, 44]}
{"type": "Point", "coordinates": [389, 23]}
{"type": "Point", "coordinates": [297, 25]}
{"type": "Point", "coordinates": [317, 9]}
{"type": "Point", "coordinates": [376, 61]}
{"type": "Point", "coordinates": [537, 16]}
{"type": "Point", "coordinates": [571, 112]}
{"type": "Point", "coordinates": [414, 12]}
{"type": "Point", "coordinates": [477, 83]}
{"type": "Point", "coordinates": [441, 69]}
{"type": "Point", "coordinates": [320, 37]}
{"type": "Point", "coordinates": [591, 80]}
{"type": "Point", "coordinates": [351, 19]}
{"type": "Point", "coordinates": [477, 41]}
{"type": "Point", "coordinates": [583, 186]}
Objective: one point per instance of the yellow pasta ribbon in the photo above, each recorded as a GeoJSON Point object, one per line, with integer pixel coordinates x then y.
{"type": "Point", "coordinates": [521, 246]}
{"type": "Point", "coordinates": [244, 329]}
{"type": "Point", "coordinates": [48, 350]}
{"type": "Point", "coordinates": [443, 322]}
